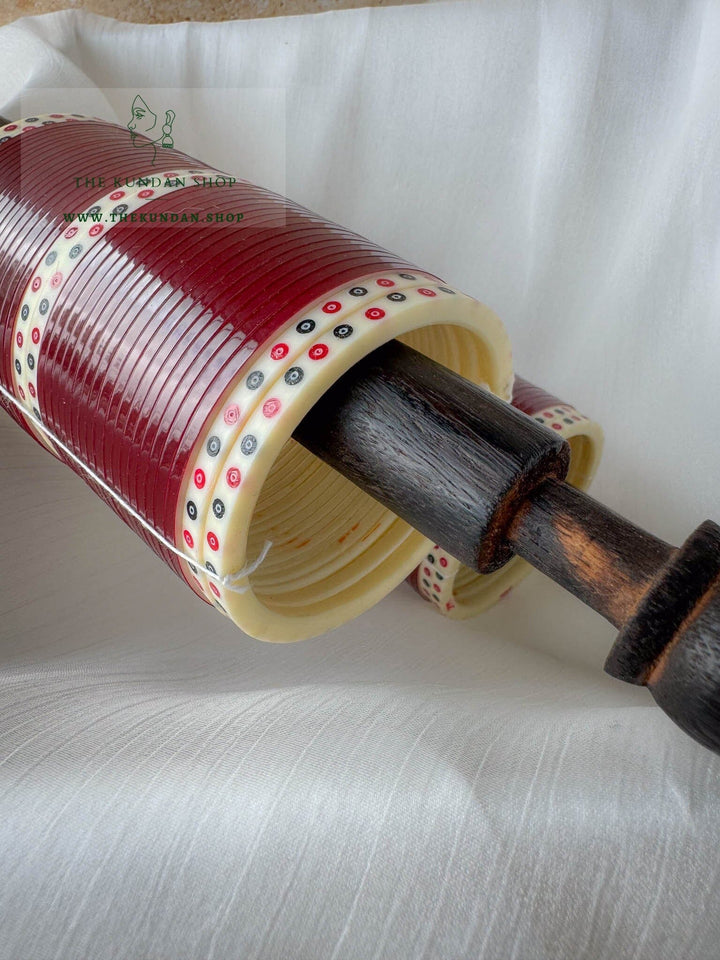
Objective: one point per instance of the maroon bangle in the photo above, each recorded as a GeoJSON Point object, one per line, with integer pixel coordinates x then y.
{"type": "Point", "coordinates": [167, 354]}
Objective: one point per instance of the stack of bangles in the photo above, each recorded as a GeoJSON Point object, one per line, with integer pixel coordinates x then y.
{"type": "Point", "coordinates": [164, 329]}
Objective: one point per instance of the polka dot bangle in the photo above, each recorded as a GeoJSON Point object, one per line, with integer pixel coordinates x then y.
{"type": "Point", "coordinates": [216, 520]}
{"type": "Point", "coordinates": [12, 130]}
{"type": "Point", "coordinates": [281, 367]}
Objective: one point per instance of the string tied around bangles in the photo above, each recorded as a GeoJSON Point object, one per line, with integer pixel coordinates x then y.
{"type": "Point", "coordinates": [231, 581]}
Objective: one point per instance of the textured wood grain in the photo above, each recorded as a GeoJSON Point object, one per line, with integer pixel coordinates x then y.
{"type": "Point", "coordinates": [685, 678]}
{"type": "Point", "coordinates": [599, 556]}
{"type": "Point", "coordinates": [484, 480]}
{"type": "Point", "coordinates": [444, 454]}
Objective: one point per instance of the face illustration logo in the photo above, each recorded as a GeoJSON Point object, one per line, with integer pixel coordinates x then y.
{"type": "Point", "coordinates": [144, 128]}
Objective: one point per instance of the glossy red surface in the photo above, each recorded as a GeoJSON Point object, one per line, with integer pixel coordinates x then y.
{"type": "Point", "coordinates": [38, 171]}
{"type": "Point", "coordinates": [155, 320]}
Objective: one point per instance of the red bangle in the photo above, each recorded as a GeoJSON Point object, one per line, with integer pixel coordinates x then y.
{"type": "Point", "coordinates": [171, 354]}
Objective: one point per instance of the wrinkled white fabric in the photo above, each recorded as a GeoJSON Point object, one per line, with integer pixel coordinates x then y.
{"type": "Point", "coordinates": [404, 787]}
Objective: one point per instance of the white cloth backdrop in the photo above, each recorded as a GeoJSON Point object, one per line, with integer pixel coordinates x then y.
{"type": "Point", "coordinates": [403, 787]}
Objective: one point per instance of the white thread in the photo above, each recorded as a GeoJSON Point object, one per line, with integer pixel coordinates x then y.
{"type": "Point", "coordinates": [227, 580]}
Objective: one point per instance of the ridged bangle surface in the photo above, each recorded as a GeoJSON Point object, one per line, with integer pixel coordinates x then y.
{"type": "Point", "coordinates": [175, 357]}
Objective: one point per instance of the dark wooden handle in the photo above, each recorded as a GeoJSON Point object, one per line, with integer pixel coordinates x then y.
{"type": "Point", "coordinates": [485, 481]}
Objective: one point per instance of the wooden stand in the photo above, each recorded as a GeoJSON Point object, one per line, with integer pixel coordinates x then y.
{"type": "Point", "coordinates": [485, 481]}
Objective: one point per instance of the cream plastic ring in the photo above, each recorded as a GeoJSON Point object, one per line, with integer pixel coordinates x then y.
{"type": "Point", "coordinates": [327, 563]}
{"type": "Point", "coordinates": [286, 354]}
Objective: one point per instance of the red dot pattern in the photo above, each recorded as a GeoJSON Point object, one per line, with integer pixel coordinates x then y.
{"type": "Point", "coordinates": [232, 414]}
{"type": "Point", "coordinates": [233, 477]}
{"type": "Point", "coordinates": [279, 351]}
{"type": "Point", "coordinates": [271, 407]}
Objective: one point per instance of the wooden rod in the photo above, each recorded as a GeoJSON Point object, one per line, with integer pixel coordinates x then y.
{"type": "Point", "coordinates": [599, 556]}
{"type": "Point", "coordinates": [483, 480]}
{"type": "Point", "coordinates": [440, 452]}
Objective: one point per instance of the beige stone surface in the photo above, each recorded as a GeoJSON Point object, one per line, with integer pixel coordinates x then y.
{"type": "Point", "coordinates": [169, 11]}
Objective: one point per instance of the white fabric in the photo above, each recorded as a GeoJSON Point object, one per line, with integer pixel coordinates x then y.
{"type": "Point", "coordinates": [403, 787]}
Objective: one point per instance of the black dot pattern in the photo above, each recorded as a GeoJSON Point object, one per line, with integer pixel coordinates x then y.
{"type": "Point", "coordinates": [248, 444]}
{"type": "Point", "coordinates": [294, 375]}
